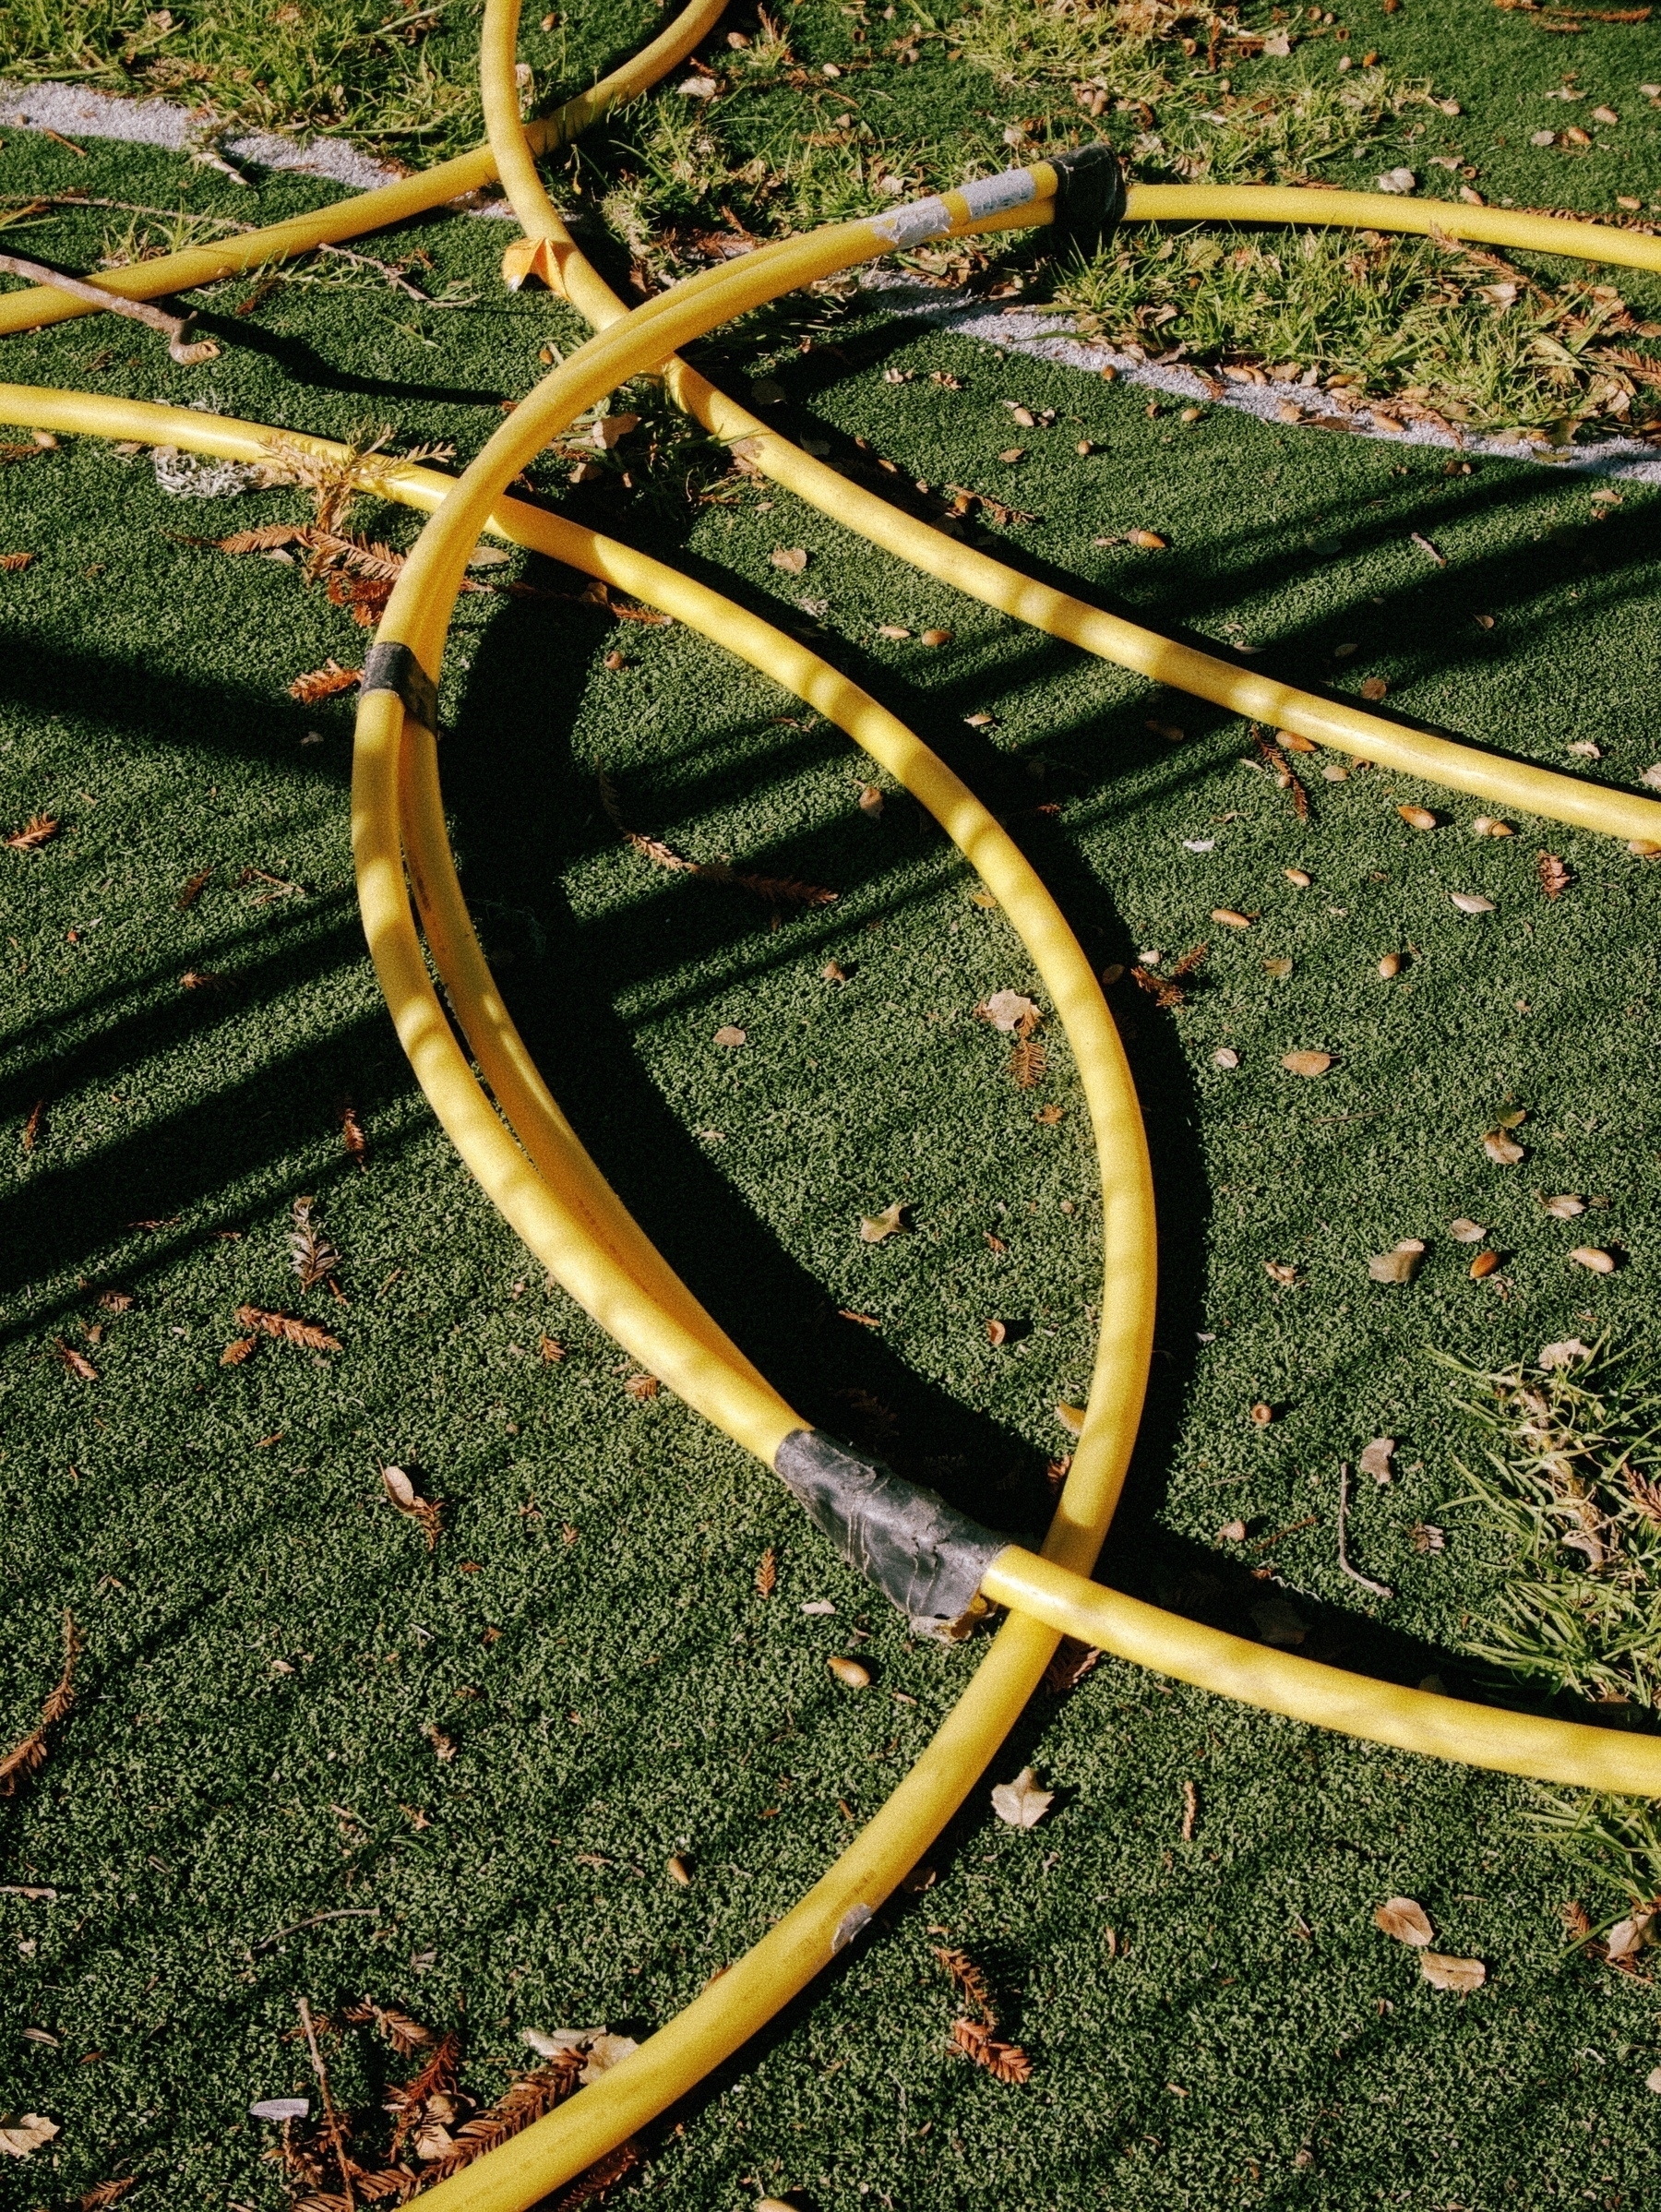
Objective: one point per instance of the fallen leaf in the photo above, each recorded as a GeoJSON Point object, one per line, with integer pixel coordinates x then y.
{"type": "Point", "coordinates": [874, 1228]}
{"type": "Point", "coordinates": [1503, 1150]}
{"type": "Point", "coordinates": [1390, 965]}
{"type": "Point", "coordinates": [1012, 455]}
{"type": "Point", "coordinates": [870, 800]}
{"type": "Point", "coordinates": [1049, 1116]}
{"type": "Point", "coordinates": [1300, 877]}
{"type": "Point", "coordinates": [1278, 1623]}
{"type": "Point", "coordinates": [1431, 551]}
{"type": "Point", "coordinates": [26, 2134]}
{"type": "Point", "coordinates": [642, 1388]}
{"type": "Point", "coordinates": [1279, 968]}
{"type": "Point", "coordinates": [280, 2108]}
{"type": "Point", "coordinates": [1589, 1255]}
{"type": "Point", "coordinates": [679, 1872]}
{"type": "Point", "coordinates": [1397, 1266]}
{"type": "Point", "coordinates": [1071, 1418]}
{"type": "Point", "coordinates": [603, 2053]}
{"type": "Point", "coordinates": [1226, 1056]}
{"type": "Point", "coordinates": [1004, 2061]}
{"type": "Point", "coordinates": [1148, 541]}
{"type": "Point", "coordinates": [727, 1035]}
{"type": "Point", "coordinates": [404, 1494]}
{"type": "Point", "coordinates": [1232, 1532]}
{"type": "Point", "coordinates": [1405, 1919]}
{"type": "Point", "coordinates": [1466, 1232]}
{"type": "Point", "coordinates": [1021, 1803]}
{"type": "Point", "coordinates": [77, 1362]}
{"type": "Point", "coordinates": [1374, 687]}
{"type": "Point", "coordinates": [1281, 1270]}
{"type": "Point", "coordinates": [1555, 878]}
{"type": "Point", "coordinates": [849, 1672]}
{"type": "Point", "coordinates": [1629, 1936]}
{"type": "Point", "coordinates": [793, 560]}
{"type": "Point", "coordinates": [1489, 825]}
{"type": "Point", "coordinates": [1652, 775]}
{"type": "Point", "coordinates": [1483, 1265]}
{"type": "Point", "coordinates": [34, 833]}
{"type": "Point", "coordinates": [1307, 1063]}
{"type": "Point", "coordinates": [1470, 901]}
{"type": "Point", "coordinates": [1417, 817]}
{"type": "Point", "coordinates": [443, 1746]}
{"type": "Point", "coordinates": [323, 683]}
{"type": "Point", "coordinates": [1009, 1012]}
{"type": "Point", "coordinates": [935, 637]}
{"type": "Point", "coordinates": [15, 561]}
{"type": "Point", "coordinates": [290, 1331]}
{"type": "Point", "coordinates": [1565, 1207]}
{"type": "Point", "coordinates": [551, 1350]}
{"type": "Point", "coordinates": [1173, 733]}
{"type": "Point", "coordinates": [1376, 1457]}
{"type": "Point", "coordinates": [894, 630]}
{"type": "Point", "coordinates": [239, 1350]}
{"type": "Point", "coordinates": [1426, 1538]}
{"type": "Point", "coordinates": [1585, 748]}
{"type": "Point", "coordinates": [766, 1572]}
{"type": "Point", "coordinates": [1564, 1354]}
{"type": "Point", "coordinates": [1461, 1974]}
{"type": "Point", "coordinates": [1231, 917]}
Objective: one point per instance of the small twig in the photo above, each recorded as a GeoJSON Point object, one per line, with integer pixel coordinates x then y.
{"type": "Point", "coordinates": [395, 277]}
{"type": "Point", "coordinates": [1355, 1575]}
{"type": "Point", "coordinates": [346, 1912]}
{"type": "Point", "coordinates": [172, 326]}
{"type": "Point", "coordinates": [321, 2071]}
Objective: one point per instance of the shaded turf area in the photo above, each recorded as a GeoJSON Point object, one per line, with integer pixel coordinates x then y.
{"type": "Point", "coordinates": [269, 1648]}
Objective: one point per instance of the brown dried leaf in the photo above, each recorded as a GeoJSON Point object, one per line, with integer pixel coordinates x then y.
{"type": "Point", "coordinates": [1376, 1457]}
{"type": "Point", "coordinates": [849, 1672]}
{"type": "Point", "coordinates": [77, 1362]}
{"type": "Point", "coordinates": [1005, 2062]}
{"type": "Point", "coordinates": [1588, 1255]}
{"type": "Point", "coordinates": [1470, 901]}
{"type": "Point", "coordinates": [1406, 1920]}
{"type": "Point", "coordinates": [766, 1573]}
{"type": "Point", "coordinates": [552, 1350]}
{"type": "Point", "coordinates": [34, 1128]}
{"type": "Point", "coordinates": [968, 1978]}
{"type": "Point", "coordinates": [1397, 1266]}
{"type": "Point", "coordinates": [288, 1330]}
{"type": "Point", "coordinates": [1629, 1936]}
{"type": "Point", "coordinates": [1148, 541]}
{"type": "Point", "coordinates": [20, 2138]}
{"type": "Point", "coordinates": [15, 561]}
{"type": "Point", "coordinates": [311, 1254]}
{"type": "Point", "coordinates": [1010, 1014]}
{"type": "Point", "coordinates": [1374, 687]}
{"type": "Point", "coordinates": [351, 1134]}
{"type": "Point", "coordinates": [34, 833]}
{"type": "Point", "coordinates": [730, 1037]}
{"type": "Point", "coordinates": [1484, 1265]}
{"type": "Point", "coordinates": [1071, 1663]}
{"type": "Point", "coordinates": [1307, 1063]}
{"type": "Point", "coordinates": [935, 637]}
{"type": "Point", "coordinates": [27, 1757]}
{"type": "Point", "coordinates": [1231, 917]}
{"type": "Point", "coordinates": [237, 1350]}
{"type": "Point", "coordinates": [106, 2193]}
{"type": "Point", "coordinates": [643, 1388]}
{"type": "Point", "coordinates": [1418, 818]}
{"type": "Point", "coordinates": [793, 560]}
{"type": "Point", "coordinates": [1502, 1149]}
{"type": "Point", "coordinates": [1461, 1975]}
{"type": "Point", "coordinates": [1028, 1063]}
{"type": "Point", "coordinates": [1464, 1231]}
{"type": "Point", "coordinates": [1555, 878]}
{"type": "Point", "coordinates": [1021, 1803]}
{"type": "Point", "coordinates": [266, 539]}
{"type": "Point", "coordinates": [874, 1228]}
{"type": "Point", "coordinates": [323, 683]}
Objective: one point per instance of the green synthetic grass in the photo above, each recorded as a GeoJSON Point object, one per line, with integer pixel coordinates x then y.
{"type": "Point", "coordinates": [1252, 2039]}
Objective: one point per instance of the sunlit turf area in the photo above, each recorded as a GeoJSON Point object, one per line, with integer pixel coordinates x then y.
{"type": "Point", "coordinates": [323, 1749]}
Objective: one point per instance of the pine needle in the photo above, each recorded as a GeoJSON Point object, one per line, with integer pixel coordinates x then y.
{"type": "Point", "coordinates": [27, 1757]}
{"type": "Point", "coordinates": [967, 1977]}
{"type": "Point", "coordinates": [525, 2100]}
{"type": "Point", "coordinates": [605, 2173]}
{"type": "Point", "coordinates": [33, 834]}
{"type": "Point", "coordinates": [766, 1573]}
{"type": "Point", "coordinates": [1028, 1063]}
{"type": "Point", "coordinates": [323, 683]}
{"type": "Point", "coordinates": [290, 1331]}
{"type": "Point", "coordinates": [1004, 2062]}
{"type": "Point", "coordinates": [777, 891]}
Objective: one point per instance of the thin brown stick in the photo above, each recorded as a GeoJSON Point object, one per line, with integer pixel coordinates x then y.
{"type": "Point", "coordinates": [172, 326]}
{"type": "Point", "coordinates": [321, 2071]}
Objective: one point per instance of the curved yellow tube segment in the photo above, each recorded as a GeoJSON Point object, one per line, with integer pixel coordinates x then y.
{"type": "Point", "coordinates": [1326, 1697]}
{"type": "Point", "coordinates": [388, 204]}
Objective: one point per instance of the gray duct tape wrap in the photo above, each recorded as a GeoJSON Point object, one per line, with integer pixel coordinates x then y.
{"type": "Point", "coordinates": [391, 668]}
{"type": "Point", "coordinates": [918, 1550]}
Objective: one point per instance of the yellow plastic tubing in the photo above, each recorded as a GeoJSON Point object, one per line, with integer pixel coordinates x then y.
{"type": "Point", "coordinates": [417, 617]}
{"type": "Point", "coordinates": [1324, 722]}
{"type": "Point", "coordinates": [351, 218]}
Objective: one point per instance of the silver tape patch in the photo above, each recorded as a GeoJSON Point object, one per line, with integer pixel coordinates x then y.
{"type": "Point", "coordinates": [992, 195]}
{"type": "Point", "coordinates": [910, 225]}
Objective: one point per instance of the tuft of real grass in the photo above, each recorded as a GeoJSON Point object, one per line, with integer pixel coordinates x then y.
{"type": "Point", "coordinates": [1572, 1481]}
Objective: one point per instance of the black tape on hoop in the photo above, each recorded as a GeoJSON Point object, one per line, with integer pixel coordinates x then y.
{"type": "Point", "coordinates": [918, 1550]}
{"type": "Point", "coordinates": [395, 668]}
{"type": "Point", "coordinates": [1090, 199]}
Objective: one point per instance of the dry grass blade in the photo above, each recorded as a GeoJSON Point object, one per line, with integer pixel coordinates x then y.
{"type": "Point", "coordinates": [288, 1330]}
{"type": "Point", "coordinates": [34, 833]}
{"type": "Point", "coordinates": [34, 1128]}
{"type": "Point", "coordinates": [27, 1757]}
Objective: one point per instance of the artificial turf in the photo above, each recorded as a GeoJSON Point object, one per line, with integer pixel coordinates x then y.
{"type": "Point", "coordinates": [587, 1635]}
